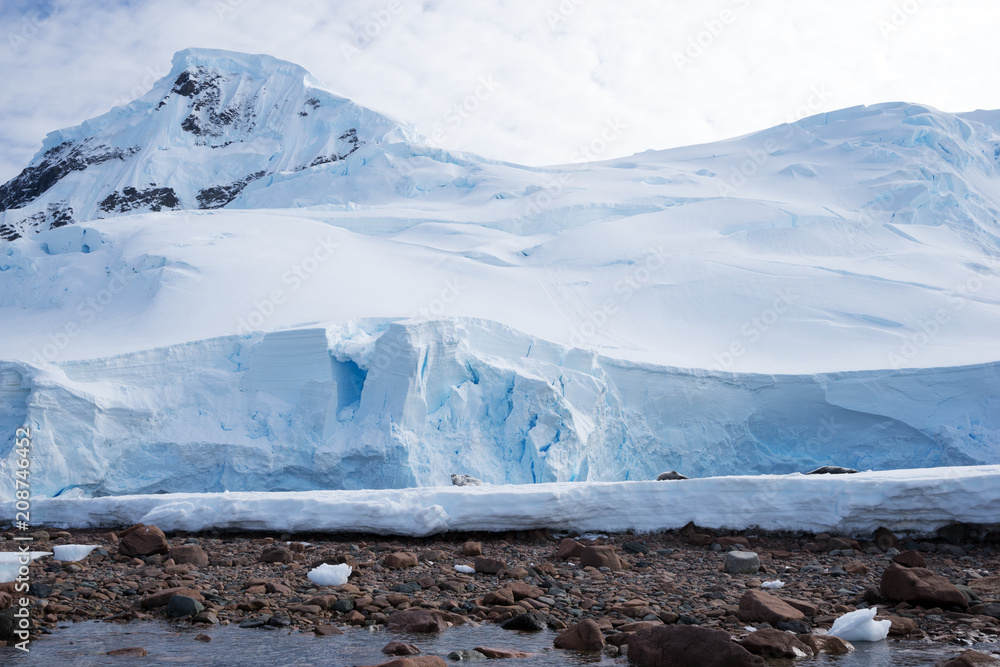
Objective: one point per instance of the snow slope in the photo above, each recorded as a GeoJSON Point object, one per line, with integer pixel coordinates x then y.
{"type": "Point", "coordinates": [911, 502]}
{"type": "Point", "coordinates": [367, 311]}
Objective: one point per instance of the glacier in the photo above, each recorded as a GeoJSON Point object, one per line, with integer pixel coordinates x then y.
{"type": "Point", "coordinates": [244, 282]}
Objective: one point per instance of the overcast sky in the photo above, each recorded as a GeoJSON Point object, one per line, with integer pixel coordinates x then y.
{"type": "Point", "coordinates": [666, 73]}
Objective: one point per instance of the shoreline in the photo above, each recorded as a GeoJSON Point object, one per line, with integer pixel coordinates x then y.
{"type": "Point", "coordinates": [674, 577]}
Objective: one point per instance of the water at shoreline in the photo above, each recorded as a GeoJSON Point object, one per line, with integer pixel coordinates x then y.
{"type": "Point", "coordinates": [85, 645]}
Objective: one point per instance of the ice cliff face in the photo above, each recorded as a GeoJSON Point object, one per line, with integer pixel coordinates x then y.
{"type": "Point", "coordinates": [290, 291]}
{"type": "Point", "coordinates": [384, 405]}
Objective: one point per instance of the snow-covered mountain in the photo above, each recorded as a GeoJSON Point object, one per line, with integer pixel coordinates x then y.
{"type": "Point", "coordinates": [243, 281]}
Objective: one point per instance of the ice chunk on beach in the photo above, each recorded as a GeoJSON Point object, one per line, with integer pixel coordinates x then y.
{"type": "Point", "coordinates": [860, 626]}
{"type": "Point", "coordinates": [330, 575]}
{"type": "Point", "coordinates": [73, 552]}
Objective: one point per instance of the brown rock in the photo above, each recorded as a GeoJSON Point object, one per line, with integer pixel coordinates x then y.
{"type": "Point", "coordinates": [771, 643]}
{"type": "Point", "coordinates": [826, 644]}
{"type": "Point", "coordinates": [901, 625]}
{"type": "Point", "coordinates": [699, 539]}
{"type": "Point", "coordinates": [569, 548]}
{"type": "Point", "coordinates": [416, 620]}
{"type": "Point", "coordinates": [522, 590]}
{"type": "Point", "coordinates": [885, 540]}
{"type": "Point", "coordinates": [807, 608]}
{"type": "Point", "coordinates": [732, 542]}
{"type": "Point", "coordinates": [918, 585]}
{"type": "Point", "coordinates": [143, 540]}
{"type": "Point", "coordinates": [190, 554]}
{"type": "Point", "coordinates": [488, 565]}
{"type": "Point", "coordinates": [601, 556]}
{"type": "Point", "coordinates": [584, 636]}
{"type": "Point", "coordinates": [969, 659]}
{"type": "Point", "coordinates": [504, 596]}
{"type": "Point", "coordinates": [760, 607]}
{"type": "Point", "coordinates": [416, 661]}
{"type": "Point", "coordinates": [472, 549]}
{"type": "Point", "coordinates": [855, 567]}
{"type": "Point", "coordinates": [987, 588]}
{"type": "Point", "coordinates": [327, 630]}
{"type": "Point", "coordinates": [497, 653]}
{"type": "Point", "coordinates": [6, 600]}
{"type": "Point", "coordinates": [130, 652]}
{"type": "Point", "coordinates": [277, 555]}
{"type": "Point", "coordinates": [688, 646]}
{"type": "Point", "coordinates": [838, 543]}
{"type": "Point", "coordinates": [399, 560]}
{"type": "Point", "coordinates": [432, 555]}
{"type": "Point", "coordinates": [910, 559]}
{"type": "Point", "coordinates": [161, 598]}
{"type": "Point", "coordinates": [400, 648]}
{"type": "Point", "coordinates": [203, 638]}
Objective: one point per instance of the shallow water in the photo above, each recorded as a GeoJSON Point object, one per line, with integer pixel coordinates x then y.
{"type": "Point", "coordinates": [85, 645]}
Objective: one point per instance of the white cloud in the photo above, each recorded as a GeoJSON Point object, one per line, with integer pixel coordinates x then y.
{"type": "Point", "coordinates": [564, 67]}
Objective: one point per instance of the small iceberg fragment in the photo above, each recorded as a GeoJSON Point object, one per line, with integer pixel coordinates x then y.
{"type": "Point", "coordinates": [773, 584]}
{"type": "Point", "coordinates": [465, 569]}
{"type": "Point", "coordinates": [330, 575]}
{"type": "Point", "coordinates": [860, 626]}
{"type": "Point", "coordinates": [73, 552]}
{"type": "Point", "coordinates": [11, 562]}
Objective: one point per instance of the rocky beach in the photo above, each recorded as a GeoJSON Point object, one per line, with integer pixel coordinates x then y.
{"type": "Point", "coordinates": [695, 594]}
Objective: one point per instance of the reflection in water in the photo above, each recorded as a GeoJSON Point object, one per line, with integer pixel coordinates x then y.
{"type": "Point", "coordinates": [85, 645]}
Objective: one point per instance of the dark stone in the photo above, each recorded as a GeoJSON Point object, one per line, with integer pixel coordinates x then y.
{"type": "Point", "coordinates": [39, 590]}
{"type": "Point", "coordinates": [343, 606]}
{"type": "Point", "coordinates": [130, 199]}
{"type": "Point", "coordinates": [688, 646]}
{"type": "Point", "coordinates": [668, 476]}
{"type": "Point", "coordinates": [408, 587]}
{"type": "Point", "coordinates": [181, 605]}
{"type": "Point", "coordinates": [798, 627]}
{"type": "Point", "coordinates": [531, 622]}
{"type": "Point", "coordinates": [636, 547]}
{"type": "Point", "coordinates": [832, 470]}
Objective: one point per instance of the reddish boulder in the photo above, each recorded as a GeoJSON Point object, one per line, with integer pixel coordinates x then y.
{"type": "Point", "coordinates": [901, 625]}
{"type": "Point", "coordinates": [504, 596]}
{"type": "Point", "coordinates": [130, 652]}
{"type": "Point", "coordinates": [732, 542]}
{"type": "Point", "coordinates": [522, 590]}
{"type": "Point", "coordinates": [760, 607]}
{"type": "Point", "coordinates": [472, 549]}
{"type": "Point", "coordinates": [885, 540]}
{"type": "Point", "coordinates": [488, 565]}
{"type": "Point", "coordinates": [142, 540]}
{"type": "Point", "coordinates": [277, 555]}
{"type": "Point", "coordinates": [688, 646]}
{"type": "Point", "coordinates": [584, 636]}
{"type": "Point", "coordinates": [910, 559]}
{"type": "Point", "coordinates": [416, 661]}
{"type": "Point", "coordinates": [569, 548]}
{"type": "Point", "coordinates": [918, 585]}
{"type": "Point", "coordinates": [970, 659]}
{"type": "Point", "coordinates": [6, 600]}
{"type": "Point", "coordinates": [600, 556]}
{"type": "Point", "coordinates": [826, 644]}
{"type": "Point", "coordinates": [399, 560]}
{"type": "Point", "coordinates": [417, 620]}
{"type": "Point", "coordinates": [161, 598]}
{"type": "Point", "coordinates": [191, 554]}
{"type": "Point", "coordinates": [400, 648]}
{"type": "Point", "coordinates": [771, 643]}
